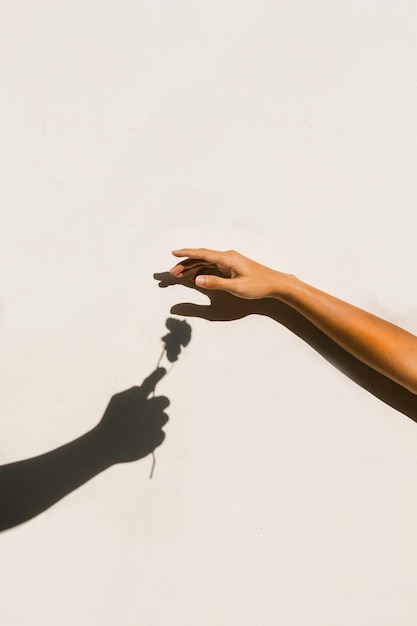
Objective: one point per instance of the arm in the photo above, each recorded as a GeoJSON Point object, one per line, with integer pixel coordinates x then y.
{"type": "Point", "coordinates": [130, 429]}
{"type": "Point", "coordinates": [31, 486]}
{"type": "Point", "coordinates": [383, 346]}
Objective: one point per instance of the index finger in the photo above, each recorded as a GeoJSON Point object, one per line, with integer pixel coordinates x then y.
{"type": "Point", "coordinates": [212, 256]}
{"type": "Point", "coordinates": [152, 380]}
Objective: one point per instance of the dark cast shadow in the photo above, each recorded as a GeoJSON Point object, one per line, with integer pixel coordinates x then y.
{"type": "Point", "coordinates": [130, 429]}
{"type": "Point", "coordinates": [226, 307]}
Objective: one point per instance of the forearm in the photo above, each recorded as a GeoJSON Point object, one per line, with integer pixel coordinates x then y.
{"type": "Point", "coordinates": [385, 347]}
{"type": "Point", "coordinates": [379, 344]}
{"type": "Point", "coordinates": [29, 487]}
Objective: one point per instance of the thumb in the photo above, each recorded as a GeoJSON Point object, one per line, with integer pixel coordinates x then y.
{"type": "Point", "coordinates": [149, 384]}
{"type": "Point", "coordinates": [213, 282]}
{"type": "Point", "coordinates": [187, 309]}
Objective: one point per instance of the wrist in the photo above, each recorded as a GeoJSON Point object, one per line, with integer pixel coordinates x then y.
{"type": "Point", "coordinates": [283, 286]}
{"type": "Point", "coordinates": [99, 441]}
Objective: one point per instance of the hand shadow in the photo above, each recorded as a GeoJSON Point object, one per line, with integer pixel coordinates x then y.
{"type": "Point", "coordinates": [226, 307]}
{"type": "Point", "coordinates": [130, 429]}
{"type": "Point", "coordinates": [223, 307]}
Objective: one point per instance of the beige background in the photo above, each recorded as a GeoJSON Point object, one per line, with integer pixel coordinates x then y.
{"type": "Point", "coordinates": [284, 493]}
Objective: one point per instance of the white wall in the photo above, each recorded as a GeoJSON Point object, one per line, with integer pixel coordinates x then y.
{"type": "Point", "coordinates": [284, 492]}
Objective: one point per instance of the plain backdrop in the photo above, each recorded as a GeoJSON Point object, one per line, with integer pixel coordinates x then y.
{"type": "Point", "coordinates": [284, 493]}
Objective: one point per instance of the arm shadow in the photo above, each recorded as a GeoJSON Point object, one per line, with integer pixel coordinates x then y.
{"type": "Point", "coordinates": [130, 429]}
{"type": "Point", "coordinates": [383, 388]}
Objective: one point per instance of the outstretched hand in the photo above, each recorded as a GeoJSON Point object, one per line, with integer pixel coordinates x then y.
{"type": "Point", "coordinates": [223, 306]}
{"type": "Point", "coordinates": [228, 271]}
{"type": "Point", "coordinates": [131, 426]}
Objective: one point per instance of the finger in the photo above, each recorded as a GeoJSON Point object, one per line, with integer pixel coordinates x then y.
{"type": "Point", "coordinates": [181, 270]}
{"type": "Point", "coordinates": [166, 279]}
{"type": "Point", "coordinates": [177, 269]}
{"type": "Point", "coordinates": [213, 282]}
{"type": "Point", "coordinates": [190, 264]}
{"type": "Point", "coordinates": [158, 404]}
{"type": "Point", "coordinates": [190, 272]}
{"type": "Point", "coordinates": [160, 436]}
{"type": "Point", "coordinates": [211, 270]}
{"type": "Point", "coordinates": [161, 420]}
{"type": "Point", "coordinates": [163, 276]}
{"type": "Point", "coordinates": [184, 281]}
{"type": "Point", "coordinates": [151, 381]}
{"type": "Point", "coordinates": [188, 309]}
{"type": "Point", "coordinates": [212, 256]}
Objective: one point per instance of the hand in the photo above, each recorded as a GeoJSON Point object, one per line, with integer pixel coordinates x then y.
{"type": "Point", "coordinates": [223, 306]}
{"type": "Point", "coordinates": [131, 426]}
{"type": "Point", "coordinates": [228, 271]}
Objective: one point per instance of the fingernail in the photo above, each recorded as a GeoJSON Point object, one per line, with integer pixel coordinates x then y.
{"type": "Point", "coordinates": [200, 281]}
